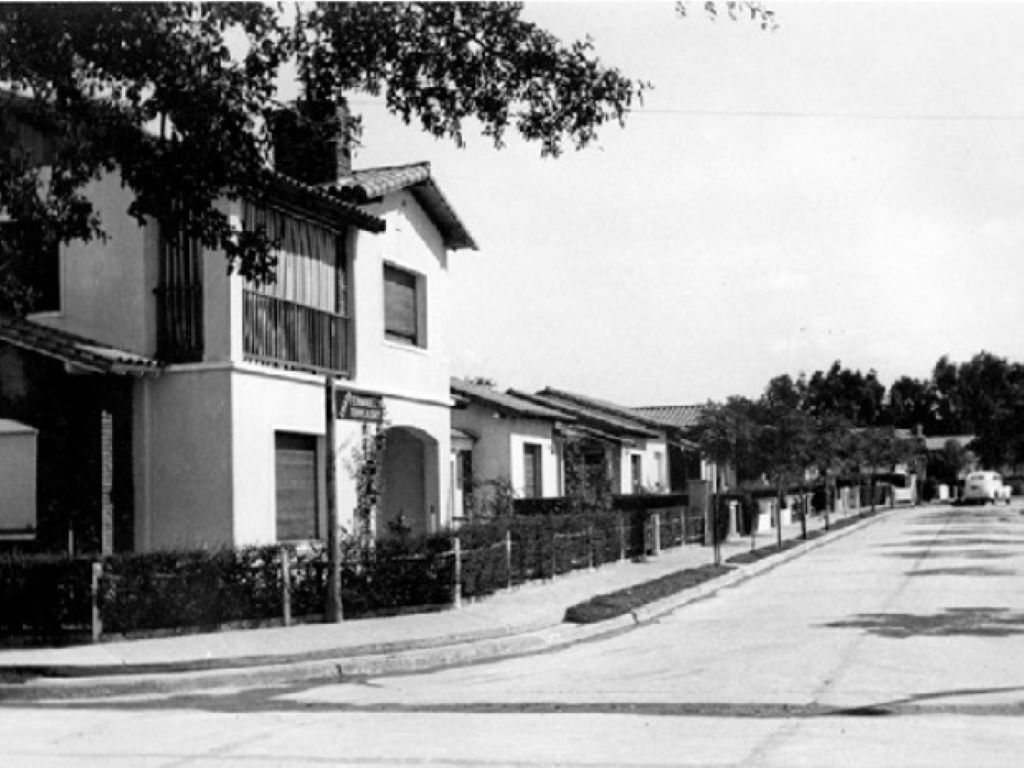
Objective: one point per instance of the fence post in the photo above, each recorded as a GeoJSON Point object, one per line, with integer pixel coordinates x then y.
{"type": "Point", "coordinates": [286, 587]}
{"type": "Point", "coordinates": [508, 559]}
{"type": "Point", "coordinates": [96, 618]}
{"type": "Point", "coordinates": [590, 547]}
{"type": "Point", "coordinates": [622, 538]}
{"type": "Point", "coordinates": [553, 558]}
{"type": "Point", "coordinates": [656, 538]}
{"type": "Point", "coordinates": [457, 578]}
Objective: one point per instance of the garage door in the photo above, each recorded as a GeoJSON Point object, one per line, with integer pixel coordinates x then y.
{"type": "Point", "coordinates": [297, 487]}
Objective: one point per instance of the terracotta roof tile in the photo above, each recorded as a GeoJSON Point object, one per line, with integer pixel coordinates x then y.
{"type": "Point", "coordinates": [366, 184]}
{"type": "Point", "coordinates": [77, 351]}
{"type": "Point", "coordinates": [678, 416]}
{"type": "Point", "coordinates": [605, 421]}
{"type": "Point", "coordinates": [506, 402]}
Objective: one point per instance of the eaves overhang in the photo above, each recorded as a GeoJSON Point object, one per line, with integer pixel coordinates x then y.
{"type": "Point", "coordinates": [362, 186]}
{"type": "Point", "coordinates": [77, 352]}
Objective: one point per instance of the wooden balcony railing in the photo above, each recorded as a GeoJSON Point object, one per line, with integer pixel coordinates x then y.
{"type": "Point", "coordinates": [294, 336]}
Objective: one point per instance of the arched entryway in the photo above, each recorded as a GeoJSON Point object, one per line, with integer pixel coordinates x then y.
{"type": "Point", "coordinates": [409, 482]}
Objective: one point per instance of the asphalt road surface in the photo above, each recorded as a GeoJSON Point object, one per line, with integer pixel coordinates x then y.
{"type": "Point", "coordinates": [898, 645]}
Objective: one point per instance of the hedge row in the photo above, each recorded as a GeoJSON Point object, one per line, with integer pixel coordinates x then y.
{"type": "Point", "coordinates": [51, 597]}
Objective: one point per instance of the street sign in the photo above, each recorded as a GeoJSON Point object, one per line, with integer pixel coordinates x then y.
{"type": "Point", "coordinates": [361, 407]}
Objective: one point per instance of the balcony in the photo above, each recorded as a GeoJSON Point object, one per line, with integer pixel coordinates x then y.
{"type": "Point", "coordinates": [294, 336]}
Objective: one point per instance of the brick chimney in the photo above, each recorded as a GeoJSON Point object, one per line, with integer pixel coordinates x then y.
{"type": "Point", "coordinates": [310, 142]}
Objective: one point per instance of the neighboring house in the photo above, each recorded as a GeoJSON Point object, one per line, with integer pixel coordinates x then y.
{"type": "Point", "coordinates": [688, 465]}
{"type": "Point", "coordinates": [500, 439]}
{"type": "Point", "coordinates": [178, 405]}
{"type": "Point", "coordinates": [634, 448]}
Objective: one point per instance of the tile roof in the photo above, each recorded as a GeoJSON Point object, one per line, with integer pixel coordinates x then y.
{"type": "Point", "coordinates": [679, 416]}
{"type": "Point", "coordinates": [505, 402]}
{"type": "Point", "coordinates": [329, 203]}
{"type": "Point", "coordinates": [363, 185]}
{"type": "Point", "coordinates": [78, 351]}
{"type": "Point", "coordinates": [605, 421]}
{"type": "Point", "coordinates": [619, 411]}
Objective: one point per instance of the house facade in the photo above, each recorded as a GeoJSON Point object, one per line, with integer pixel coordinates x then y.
{"type": "Point", "coordinates": [204, 398]}
{"type": "Point", "coordinates": [501, 442]}
{"type": "Point", "coordinates": [688, 464]}
{"type": "Point", "coordinates": [635, 450]}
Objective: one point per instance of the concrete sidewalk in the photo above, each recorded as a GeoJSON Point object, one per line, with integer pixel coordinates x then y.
{"type": "Point", "coordinates": [526, 619]}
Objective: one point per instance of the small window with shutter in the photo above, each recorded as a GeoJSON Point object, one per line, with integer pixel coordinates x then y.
{"type": "Point", "coordinates": [533, 485]}
{"type": "Point", "coordinates": [402, 306]}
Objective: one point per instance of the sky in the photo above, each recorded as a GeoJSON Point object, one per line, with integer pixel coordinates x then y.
{"type": "Point", "coordinates": [847, 187]}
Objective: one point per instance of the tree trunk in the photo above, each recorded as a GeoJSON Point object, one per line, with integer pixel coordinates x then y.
{"type": "Point", "coordinates": [804, 510]}
{"type": "Point", "coordinates": [779, 503]}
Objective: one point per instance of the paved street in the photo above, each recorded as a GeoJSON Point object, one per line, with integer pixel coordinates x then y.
{"type": "Point", "coordinates": [899, 645]}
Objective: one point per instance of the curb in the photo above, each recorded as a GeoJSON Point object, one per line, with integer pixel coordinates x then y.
{"type": "Point", "coordinates": [377, 660]}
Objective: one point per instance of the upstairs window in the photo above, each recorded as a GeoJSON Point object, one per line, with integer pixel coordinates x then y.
{"type": "Point", "coordinates": [309, 271]}
{"type": "Point", "coordinates": [403, 306]}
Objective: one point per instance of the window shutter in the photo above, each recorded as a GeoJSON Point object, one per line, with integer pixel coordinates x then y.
{"type": "Point", "coordinates": [531, 471]}
{"type": "Point", "coordinates": [297, 485]}
{"type": "Point", "coordinates": [400, 310]}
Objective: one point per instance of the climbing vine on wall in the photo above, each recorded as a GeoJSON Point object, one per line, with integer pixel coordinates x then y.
{"type": "Point", "coordinates": [366, 464]}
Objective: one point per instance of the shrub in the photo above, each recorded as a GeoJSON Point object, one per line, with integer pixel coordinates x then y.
{"type": "Point", "coordinates": [194, 588]}
{"type": "Point", "coordinates": [44, 595]}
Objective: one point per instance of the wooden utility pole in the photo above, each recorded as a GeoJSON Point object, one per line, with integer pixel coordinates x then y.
{"type": "Point", "coordinates": [332, 606]}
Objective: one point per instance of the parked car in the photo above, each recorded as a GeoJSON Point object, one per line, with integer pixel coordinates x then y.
{"type": "Point", "coordinates": [985, 486]}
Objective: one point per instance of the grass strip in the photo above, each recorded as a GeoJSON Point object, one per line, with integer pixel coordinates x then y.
{"type": "Point", "coordinates": [612, 604]}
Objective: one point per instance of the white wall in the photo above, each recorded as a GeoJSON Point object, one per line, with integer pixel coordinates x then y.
{"type": "Point", "coordinates": [649, 452]}
{"type": "Point", "coordinates": [183, 459]}
{"type": "Point", "coordinates": [107, 286]}
{"type": "Point", "coordinates": [17, 478]}
{"type": "Point", "coordinates": [263, 402]}
{"type": "Point", "coordinates": [498, 449]}
{"type": "Point", "coordinates": [550, 473]}
{"type": "Point", "coordinates": [413, 243]}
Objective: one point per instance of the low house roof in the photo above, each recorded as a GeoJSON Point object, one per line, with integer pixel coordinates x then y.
{"type": "Point", "coordinates": [679, 416]}
{"type": "Point", "coordinates": [589, 433]}
{"type": "Point", "coordinates": [594, 417]}
{"type": "Point", "coordinates": [77, 351]}
{"type": "Point", "coordinates": [504, 402]}
{"type": "Point", "coordinates": [364, 185]}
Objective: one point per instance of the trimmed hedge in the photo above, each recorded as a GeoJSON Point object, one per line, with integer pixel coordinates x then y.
{"type": "Point", "coordinates": [44, 596]}
{"type": "Point", "coordinates": [50, 596]}
{"type": "Point", "coordinates": [203, 589]}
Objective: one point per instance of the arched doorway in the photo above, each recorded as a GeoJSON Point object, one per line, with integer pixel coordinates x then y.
{"type": "Point", "coordinates": [409, 482]}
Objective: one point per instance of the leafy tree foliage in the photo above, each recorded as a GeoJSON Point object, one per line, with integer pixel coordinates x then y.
{"type": "Point", "coordinates": [727, 433]}
{"type": "Point", "coordinates": [849, 394]}
{"type": "Point", "coordinates": [913, 403]}
{"type": "Point", "coordinates": [983, 396]}
{"type": "Point", "coordinates": [155, 91]}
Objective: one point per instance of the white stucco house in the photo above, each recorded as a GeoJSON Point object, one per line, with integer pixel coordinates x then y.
{"type": "Point", "coordinates": [202, 397]}
{"type": "Point", "coordinates": [501, 439]}
{"type": "Point", "coordinates": [634, 448]}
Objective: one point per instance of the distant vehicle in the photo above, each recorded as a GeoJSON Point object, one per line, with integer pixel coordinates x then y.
{"type": "Point", "coordinates": [986, 486]}
{"type": "Point", "coordinates": [904, 488]}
